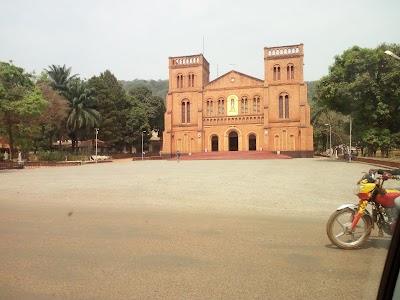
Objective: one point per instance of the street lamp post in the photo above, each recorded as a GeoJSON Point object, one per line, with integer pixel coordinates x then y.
{"type": "Point", "coordinates": [390, 53]}
{"type": "Point", "coordinates": [96, 131]}
{"type": "Point", "coordinates": [350, 142]}
{"type": "Point", "coordinates": [142, 144]}
{"type": "Point", "coordinates": [330, 139]}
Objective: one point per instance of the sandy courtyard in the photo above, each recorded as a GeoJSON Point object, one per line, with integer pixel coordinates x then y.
{"type": "Point", "coordinates": [251, 229]}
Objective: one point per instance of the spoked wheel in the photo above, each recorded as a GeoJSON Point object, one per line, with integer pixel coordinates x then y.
{"type": "Point", "coordinates": [338, 229]}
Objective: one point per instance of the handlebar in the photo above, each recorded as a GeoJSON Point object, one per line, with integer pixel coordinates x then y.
{"type": "Point", "coordinates": [387, 176]}
{"type": "Point", "coordinates": [384, 176]}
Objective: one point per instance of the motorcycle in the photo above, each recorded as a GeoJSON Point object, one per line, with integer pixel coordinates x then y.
{"type": "Point", "coordinates": [350, 226]}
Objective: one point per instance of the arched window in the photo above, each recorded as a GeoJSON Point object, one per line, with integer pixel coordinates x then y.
{"type": "Point", "coordinates": [286, 106]}
{"type": "Point", "coordinates": [179, 81]}
{"type": "Point", "coordinates": [245, 105]}
{"type": "Point", "coordinates": [221, 106]}
{"type": "Point", "coordinates": [191, 80]}
{"type": "Point", "coordinates": [277, 72]}
{"type": "Point", "coordinates": [283, 106]}
{"type": "Point", "coordinates": [210, 109]}
{"type": "Point", "coordinates": [256, 104]}
{"type": "Point", "coordinates": [290, 71]}
{"type": "Point", "coordinates": [185, 111]}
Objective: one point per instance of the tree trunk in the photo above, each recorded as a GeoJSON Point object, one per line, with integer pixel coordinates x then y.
{"type": "Point", "coordinates": [370, 151]}
{"type": "Point", "coordinates": [10, 137]}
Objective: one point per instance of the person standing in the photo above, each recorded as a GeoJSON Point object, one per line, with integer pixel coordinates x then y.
{"type": "Point", "coordinates": [178, 155]}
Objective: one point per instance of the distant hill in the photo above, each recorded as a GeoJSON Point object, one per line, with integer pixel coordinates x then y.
{"type": "Point", "coordinates": [159, 87]}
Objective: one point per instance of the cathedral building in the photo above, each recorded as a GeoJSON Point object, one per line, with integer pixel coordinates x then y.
{"type": "Point", "coordinates": [238, 112]}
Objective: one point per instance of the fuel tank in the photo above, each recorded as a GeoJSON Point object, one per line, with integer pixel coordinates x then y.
{"type": "Point", "coordinates": [387, 200]}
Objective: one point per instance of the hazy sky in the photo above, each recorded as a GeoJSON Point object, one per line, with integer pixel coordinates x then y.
{"type": "Point", "coordinates": [133, 39]}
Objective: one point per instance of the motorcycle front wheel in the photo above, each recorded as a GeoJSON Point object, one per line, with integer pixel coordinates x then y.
{"type": "Point", "coordinates": [338, 229]}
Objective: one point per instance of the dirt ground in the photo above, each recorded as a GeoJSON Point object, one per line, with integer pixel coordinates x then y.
{"type": "Point", "coordinates": [251, 229]}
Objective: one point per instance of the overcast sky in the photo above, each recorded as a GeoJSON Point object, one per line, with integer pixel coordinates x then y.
{"type": "Point", "coordinates": [133, 39]}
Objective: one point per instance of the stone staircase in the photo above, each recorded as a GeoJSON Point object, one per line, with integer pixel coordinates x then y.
{"type": "Point", "coordinates": [233, 155]}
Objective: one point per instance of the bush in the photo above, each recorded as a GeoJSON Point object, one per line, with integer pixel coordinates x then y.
{"type": "Point", "coordinates": [59, 156]}
{"type": "Point", "coordinates": [50, 156]}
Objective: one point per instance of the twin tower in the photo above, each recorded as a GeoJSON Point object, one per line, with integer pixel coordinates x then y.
{"type": "Point", "coordinates": [238, 112]}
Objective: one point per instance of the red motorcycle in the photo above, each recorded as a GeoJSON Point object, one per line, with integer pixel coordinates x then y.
{"type": "Point", "coordinates": [350, 226]}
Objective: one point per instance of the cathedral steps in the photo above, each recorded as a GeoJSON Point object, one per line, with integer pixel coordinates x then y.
{"type": "Point", "coordinates": [233, 155]}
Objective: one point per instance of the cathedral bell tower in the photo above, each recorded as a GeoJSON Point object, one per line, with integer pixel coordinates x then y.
{"type": "Point", "coordinates": [283, 65]}
{"type": "Point", "coordinates": [188, 72]}
{"type": "Point", "coordinates": [183, 116]}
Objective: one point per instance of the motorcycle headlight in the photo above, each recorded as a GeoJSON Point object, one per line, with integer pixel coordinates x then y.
{"type": "Point", "coordinates": [357, 189]}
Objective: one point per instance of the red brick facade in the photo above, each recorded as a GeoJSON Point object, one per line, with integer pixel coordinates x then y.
{"type": "Point", "coordinates": [237, 112]}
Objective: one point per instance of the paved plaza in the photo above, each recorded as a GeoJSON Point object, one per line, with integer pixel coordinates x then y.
{"type": "Point", "coordinates": [229, 229]}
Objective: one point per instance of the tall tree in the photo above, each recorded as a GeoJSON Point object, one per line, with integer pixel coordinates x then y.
{"type": "Point", "coordinates": [365, 83]}
{"type": "Point", "coordinates": [60, 77]}
{"type": "Point", "coordinates": [21, 102]}
{"type": "Point", "coordinates": [135, 123]}
{"type": "Point", "coordinates": [53, 121]}
{"type": "Point", "coordinates": [82, 115]}
{"type": "Point", "coordinates": [153, 105]}
{"type": "Point", "coordinates": [112, 106]}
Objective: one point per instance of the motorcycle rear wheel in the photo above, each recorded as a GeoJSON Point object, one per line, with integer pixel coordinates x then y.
{"type": "Point", "coordinates": [339, 233]}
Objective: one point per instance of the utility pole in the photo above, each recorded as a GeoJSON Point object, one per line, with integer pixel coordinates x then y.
{"type": "Point", "coordinates": [350, 142]}
{"type": "Point", "coordinates": [96, 131]}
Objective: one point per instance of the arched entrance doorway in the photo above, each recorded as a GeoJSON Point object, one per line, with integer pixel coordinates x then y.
{"type": "Point", "coordinates": [252, 142]}
{"type": "Point", "coordinates": [214, 143]}
{"type": "Point", "coordinates": [233, 141]}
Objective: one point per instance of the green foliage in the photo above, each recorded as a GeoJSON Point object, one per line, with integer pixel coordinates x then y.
{"type": "Point", "coordinates": [339, 129]}
{"type": "Point", "coordinates": [113, 107]}
{"type": "Point", "coordinates": [32, 104]}
{"type": "Point", "coordinates": [59, 156]}
{"type": "Point", "coordinates": [83, 116]}
{"type": "Point", "coordinates": [365, 83]}
{"type": "Point", "coordinates": [82, 102]}
{"type": "Point", "coordinates": [60, 77]}
{"type": "Point", "coordinates": [62, 103]}
{"type": "Point", "coordinates": [21, 104]}
{"type": "Point", "coordinates": [153, 106]}
{"type": "Point", "coordinates": [311, 89]}
{"type": "Point", "coordinates": [53, 121]}
{"type": "Point", "coordinates": [135, 123]}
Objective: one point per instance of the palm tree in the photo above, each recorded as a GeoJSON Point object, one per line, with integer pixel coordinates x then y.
{"type": "Point", "coordinates": [82, 115]}
{"type": "Point", "coordinates": [60, 77]}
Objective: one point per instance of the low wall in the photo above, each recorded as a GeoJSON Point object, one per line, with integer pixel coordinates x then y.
{"type": "Point", "coordinates": [134, 155]}
{"type": "Point", "coordinates": [8, 165]}
{"type": "Point", "coordinates": [378, 161]}
{"type": "Point", "coordinates": [297, 154]}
